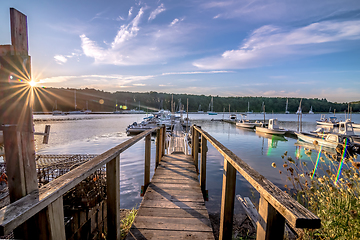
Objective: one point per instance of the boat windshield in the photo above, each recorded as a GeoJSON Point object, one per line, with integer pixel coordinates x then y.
{"type": "Point", "coordinates": [349, 127]}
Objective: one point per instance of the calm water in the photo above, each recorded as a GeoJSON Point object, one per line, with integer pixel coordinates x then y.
{"type": "Point", "coordinates": [94, 134]}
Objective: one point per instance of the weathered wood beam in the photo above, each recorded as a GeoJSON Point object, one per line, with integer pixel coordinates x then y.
{"type": "Point", "coordinates": [203, 166]}
{"type": "Point", "coordinates": [196, 149]}
{"type": "Point", "coordinates": [147, 162]}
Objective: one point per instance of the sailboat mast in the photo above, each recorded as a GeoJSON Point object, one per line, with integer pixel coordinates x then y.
{"type": "Point", "coordinates": [75, 98]}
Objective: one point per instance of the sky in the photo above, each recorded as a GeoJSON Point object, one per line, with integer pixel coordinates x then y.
{"type": "Point", "coordinates": [269, 48]}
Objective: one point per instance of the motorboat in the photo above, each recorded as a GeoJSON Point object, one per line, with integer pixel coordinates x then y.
{"type": "Point", "coordinates": [273, 128]}
{"type": "Point", "coordinates": [331, 121]}
{"type": "Point", "coordinates": [233, 117]}
{"type": "Point", "coordinates": [244, 123]}
{"type": "Point", "coordinates": [331, 140]}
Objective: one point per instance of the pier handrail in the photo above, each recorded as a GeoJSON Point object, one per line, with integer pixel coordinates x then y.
{"type": "Point", "coordinates": [15, 214]}
{"type": "Point", "coordinates": [275, 205]}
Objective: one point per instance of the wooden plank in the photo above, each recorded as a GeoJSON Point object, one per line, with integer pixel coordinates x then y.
{"type": "Point", "coordinates": [15, 214]}
{"type": "Point", "coordinates": [168, 204]}
{"type": "Point", "coordinates": [227, 201]}
{"type": "Point", "coordinates": [137, 233]}
{"type": "Point", "coordinates": [113, 198]}
{"type": "Point", "coordinates": [6, 49]}
{"type": "Point", "coordinates": [173, 212]}
{"type": "Point", "coordinates": [174, 224]}
{"type": "Point", "coordinates": [271, 224]}
{"type": "Point", "coordinates": [188, 196]}
{"type": "Point", "coordinates": [296, 214]}
{"type": "Point", "coordinates": [19, 37]}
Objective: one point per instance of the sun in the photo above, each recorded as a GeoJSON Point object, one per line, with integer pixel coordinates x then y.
{"type": "Point", "coordinates": [32, 83]}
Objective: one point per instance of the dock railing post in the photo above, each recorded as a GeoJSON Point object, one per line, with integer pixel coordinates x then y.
{"type": "Point", "coordinates": [192, 140]}
{"type": "Point", "coordinates": [227, 201]}
{"type": "Point", "coordinates": [113, 198]}
{"type": "Point", "coordinates": [147, 163]}
{"type": "Point", "coordinates": [163, 139]}
{"type": "Point", "coordinates": [271, 223]}
{"type": "Point", "coordinates": [203, 167]}
{"type": "Point", "coordinates": [196, 149]}
{"type": "Point", "coordinates": [157, 157]}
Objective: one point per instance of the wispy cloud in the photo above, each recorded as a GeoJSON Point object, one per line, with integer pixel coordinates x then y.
{"type": "Point", "coordinates": [130, 12]}
{"type": "Point", "coordinates": [195, 72]}
{"type": "Point", "coordinates": [134, 45]}
{"type": "Point", "coordinates": [270, 43]}
{"type": "Point", "coordinates": [176, 21]}
{"type": "Point", "coordinates": [157, 11]}
{"type": "Point", "coordinates": [60, 59]}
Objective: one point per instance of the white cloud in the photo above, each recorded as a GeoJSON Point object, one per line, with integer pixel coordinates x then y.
{"type": "Point", "coordinates": [157, 11]}
{"type": "Point", "coordinates": [195, 72]}
{"type": "Point", "coordinates": [174, 21]}
{"type": "Point", "coordinates": [269, 43]}
{"type": "Point", "coordinates": [134, 45]}
{"type": "Point", "coordinates": [130, 12]}
{"type": "Point", "coordinates": [217, 16]}
{"type": "Point", "coordinates": [60, 59]}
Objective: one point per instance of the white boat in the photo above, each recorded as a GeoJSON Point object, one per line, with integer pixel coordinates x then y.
{"type": "Point", "coordinates": [331, 140]}
{"type": "Point", "coordinates": [299, 111]}
{"type": "Point", "coordinates": [286, 107]}
{"type": "Point", "coordinates": [247, 124]}
{"type": "Point", "coordinates": [75, 111]}
{"type": "Point", "coordinates": [232, 117]}
{"type": "Point", "coordinates": [356, 125]}
{"type": "Point", "coordinates": [211, 107]}
{"type": "Point", "coordinates": [331, 121]}
{"type": "Point", "coordinates": [311, 111]}
{"type": "Point", "coordinates": [273, 128]}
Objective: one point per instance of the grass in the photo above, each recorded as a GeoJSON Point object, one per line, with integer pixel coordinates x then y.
{"type": "Point", "coordinates": [335, 200]}
{"type": "Point", "coordinates": [126, 222]}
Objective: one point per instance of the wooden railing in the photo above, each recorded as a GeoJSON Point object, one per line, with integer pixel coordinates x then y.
{"type": "Point", "coordinates": [46, 203]}
{"type": "Point", "coordinates": [275, 206]}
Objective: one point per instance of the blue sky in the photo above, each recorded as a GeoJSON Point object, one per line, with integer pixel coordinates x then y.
{"type": "Point", "coordinates": [276, 48]}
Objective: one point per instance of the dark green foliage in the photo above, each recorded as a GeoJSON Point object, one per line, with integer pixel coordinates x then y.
{"type": "Point", "coordinates": [152, 101]}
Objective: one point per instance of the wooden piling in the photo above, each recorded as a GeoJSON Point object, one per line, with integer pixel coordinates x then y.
{"type": "Point", "coordinates": [227, 201]}
{"type": "Point", "coordinates": [113, 198]}
{"type": "Point", "coordinates": [147, 161]}
{"type": "Point", "coordinates": [203, 166]}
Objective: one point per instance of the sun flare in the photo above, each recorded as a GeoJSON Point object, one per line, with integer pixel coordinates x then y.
{"type": "Point", "coordinates": [32, 83]}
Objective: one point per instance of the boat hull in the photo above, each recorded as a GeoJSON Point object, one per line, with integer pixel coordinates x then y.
{"type": "Point", "coordinates": [271, 131]}
{"type": "Point", "coordinates": [310, 138]}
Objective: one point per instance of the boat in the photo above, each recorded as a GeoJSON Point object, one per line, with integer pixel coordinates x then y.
{"type": "Point", "coordinates": [211, 107]}
{"type": "Point", "coordinates": [248, 112]}
{"type": "Point", "coordinates": [273, 128]}
{"type": "Point", "coordinates": [311, 111]}
{"type": "Point", "coordinates": [286, 107]}
{"type": "Point", "coordinates": [331, 140]}
{"type": "Point", "coordinates": [56, 111]}
{"type": "Point", "coordinates": [244, 123]}
{"type": "Point", "coordinates": [299, 111]}
{"type": "Point", "coordinates": [331, 121]}
{"type": "Point", "coordinates": [75, 111]}
{"type": "Point", "coordinates": [356, 125]}
{"type": "Point", "coordinates": [200, 110]}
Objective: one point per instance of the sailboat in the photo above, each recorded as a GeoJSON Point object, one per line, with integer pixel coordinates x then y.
{"type": "Point", "coordinates": [87, 110]}
{"type": "Point", "coordinates": [299, 109]}
{"type": "Point", "coordinates": [75, 111]}
{"type": "Point", "coordinates": [286, 107]}
{"type": "Point", "coordinates": [56, 111]}
{"type": "Point", "coordinates": [248, 112]}
{"type": "Point", "coordinates": [200, 110]}
{"type": "Point", "coordinates": [211, 106]}
{"type": "Point", "coordinates": [311, 111]}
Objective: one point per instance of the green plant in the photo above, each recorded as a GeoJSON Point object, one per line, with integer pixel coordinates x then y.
{"type": "Point", "coordinates": [127, 222]}
{"type": "Point", "coordinates": [332, 193]}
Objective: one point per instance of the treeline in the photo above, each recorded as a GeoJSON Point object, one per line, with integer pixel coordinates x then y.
{"type": "Point", "coordinates": [101, 101]}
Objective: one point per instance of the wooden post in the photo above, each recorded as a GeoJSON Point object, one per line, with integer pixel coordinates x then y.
{"type": "Point", "coordinates": [227, 201]}
{"type": "Point", "coordinates": [203, 166]}
{"type": "Point", "coordinates": [271, 223]}
{"type": "Point", "coordinates": [161, 145]}
{"type": "Point", "coordinates": [50, 223]}
{"type": "Point", "coordinates": [46, 134]}
{"type": "Point", "coordinates": [16, 116]}
{"type": "Point", "coordinates": [196, 149]}
{"type": "Point", "coordinates": [192, 140]}
{"type": "Point", "coordinates": [157, 157]}
{"type": "Point", "coordinates": [113, 198]}
{"type": "Point", "coordinates": [147, 162]}
{"type": "Point", "coordinates": [163, 140]}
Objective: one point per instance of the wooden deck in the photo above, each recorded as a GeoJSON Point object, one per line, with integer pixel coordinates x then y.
{"type": "Point", "coordinates": [173, 206]}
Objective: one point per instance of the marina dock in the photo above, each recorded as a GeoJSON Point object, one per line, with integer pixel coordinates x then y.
{"type": "Point", "coordinates": [173, 205]}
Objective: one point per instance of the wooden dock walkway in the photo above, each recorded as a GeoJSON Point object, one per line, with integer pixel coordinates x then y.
{"type": "Point", "coordinates": [173, 206]}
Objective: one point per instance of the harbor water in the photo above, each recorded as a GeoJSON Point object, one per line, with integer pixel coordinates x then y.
{"type": "Point", "coordinates": [95, 134]}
